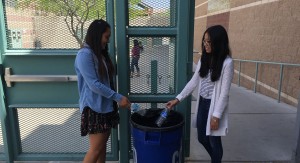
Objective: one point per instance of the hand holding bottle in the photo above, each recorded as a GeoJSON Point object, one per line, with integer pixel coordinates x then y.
{"type": "Point", "coordinates": [124, 103]}
{"type": "Point", "coordinates": [172, 103]}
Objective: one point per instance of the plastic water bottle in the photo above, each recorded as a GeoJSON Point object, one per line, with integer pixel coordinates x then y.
{"type": "Point", "coordinates": [135, 107]}
{"type": "Point", "coordinates": [163, 116]}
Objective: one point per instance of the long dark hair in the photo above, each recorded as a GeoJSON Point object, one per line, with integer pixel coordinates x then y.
{"type": "Point", "coordinates": [219, 51]}
{"type": "Point", "coordinates": [93, 39]}
{"type": "Point", "coordinates": [135, 42]}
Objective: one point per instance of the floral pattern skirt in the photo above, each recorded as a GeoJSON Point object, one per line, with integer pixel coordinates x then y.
{"type": "Point", "coordinates": [93, 122]}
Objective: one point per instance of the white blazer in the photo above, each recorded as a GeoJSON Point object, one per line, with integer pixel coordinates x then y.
{"type": "Point", "coordinates": [220, 97]}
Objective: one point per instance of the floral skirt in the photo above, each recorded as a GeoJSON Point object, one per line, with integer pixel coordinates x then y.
{"type": "Point", "coordinates": [93, 122]}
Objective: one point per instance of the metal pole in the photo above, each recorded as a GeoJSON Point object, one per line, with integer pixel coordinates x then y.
{"type": "Point", "coordinates": [256, 72]}
{"type": "Point", "coordinates": [4, 110]}
{"type": "Point", "coordinates": [239, 77]}
{"type": "Point", "coordinates": [123, 87]}
{"type": "Point", "coordinates": [154, 80]}
{"type": "Point", "coordinates": [280, 82]}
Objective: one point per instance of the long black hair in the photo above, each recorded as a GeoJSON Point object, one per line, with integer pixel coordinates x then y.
{"type": "Point", "coordinates": [93, 39]}
{"type": "Point", "coordinates": [220, 49]}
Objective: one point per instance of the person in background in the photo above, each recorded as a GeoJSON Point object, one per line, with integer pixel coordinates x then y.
{"type": "Point", "coordinates": [135, 56]}
{"type": "Point", "coordinates": [213, 75]}
{"type": "Point", "coordinates": [97, 98]}
{"type": "Point", "coordinates": [141, 46]}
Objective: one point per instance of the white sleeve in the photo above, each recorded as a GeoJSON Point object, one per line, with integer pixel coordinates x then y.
{"type": "Point", "coordinates": [191, 85]}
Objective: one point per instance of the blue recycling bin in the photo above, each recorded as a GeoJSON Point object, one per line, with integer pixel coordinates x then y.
{"type": "Point", "coordinates": [152, 144]}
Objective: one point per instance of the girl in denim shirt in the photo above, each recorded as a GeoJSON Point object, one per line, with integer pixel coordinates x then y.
{"type": "Point", "coordinates": [97, 97]}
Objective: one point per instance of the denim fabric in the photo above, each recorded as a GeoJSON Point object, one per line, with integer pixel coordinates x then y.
{"type": "Point", "coordinates": [135, 62]}
{"type": "Point", "coordinates": [212, 144]}
{"type": "Point", "coordinates": [94, 91]}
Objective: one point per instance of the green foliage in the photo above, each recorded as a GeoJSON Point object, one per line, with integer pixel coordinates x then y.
{"type": "Point", "coordinates": [76, 12]}
{"type": "Point", "coordinates": [134, 11]}
{"type": "Point", "coordinates": [81, 8]}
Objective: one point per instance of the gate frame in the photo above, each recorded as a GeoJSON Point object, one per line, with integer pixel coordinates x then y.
{"type": "Point", "coordinates": [5, 125]}
{"type": "Point", "coordinates": [9, 124]}
{"type": "Point", "coordinates": [183, 32]}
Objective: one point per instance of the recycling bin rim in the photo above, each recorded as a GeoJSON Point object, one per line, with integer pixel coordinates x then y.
{"type": "Point", "coordinates": [157, 129]}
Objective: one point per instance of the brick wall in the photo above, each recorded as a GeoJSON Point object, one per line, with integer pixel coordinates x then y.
{"type": "Point", "coordinates": [219, 19]}
{"type": "Point", "coordinates": [199, 26]}
{"type": "Point", "coordinates": [21, 20]}
{"type": "Point", "coordinates": [51, 31]}
{"type": "Point", "coordinates": [264, 30]}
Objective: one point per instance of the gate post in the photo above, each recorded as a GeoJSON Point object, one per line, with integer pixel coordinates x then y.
{"type": "Point", "coordinates": [123, 87]}
{"type": "Point", "coordinates": [154, 76]}
{"type": "Point", "coordinates": [7, 140]}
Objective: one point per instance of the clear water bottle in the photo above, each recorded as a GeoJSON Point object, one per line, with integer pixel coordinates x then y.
{"type": "Point", "coordinates": [135, 107]}
{"type": "Point", "coordinates": [163, 116]}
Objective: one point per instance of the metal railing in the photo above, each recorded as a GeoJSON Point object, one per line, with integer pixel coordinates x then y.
{"type": "Point", "coordinates": [282, 65]}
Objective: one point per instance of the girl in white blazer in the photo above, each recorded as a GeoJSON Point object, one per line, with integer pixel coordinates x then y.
{"type": "Point", "coordinates": [213, 75]}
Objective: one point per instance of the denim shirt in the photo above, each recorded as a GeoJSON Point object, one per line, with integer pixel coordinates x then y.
{"type": "Point", "coordinates": [93, 92]}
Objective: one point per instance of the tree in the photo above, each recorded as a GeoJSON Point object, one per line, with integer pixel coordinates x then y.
{"type": "Point", "coordinates": [76, 12]}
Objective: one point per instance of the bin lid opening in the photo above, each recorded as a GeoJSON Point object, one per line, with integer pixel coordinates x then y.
{"type": "Point", "coordinates": [146, 121]}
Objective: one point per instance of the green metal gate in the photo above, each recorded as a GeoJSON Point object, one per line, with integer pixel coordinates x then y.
{"type": "Point", "coordinates": [165, 63]}
{"type": "Point", "coordinates": [39, 40]}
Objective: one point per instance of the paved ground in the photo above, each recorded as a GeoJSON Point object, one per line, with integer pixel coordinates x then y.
{"type": "Point", "coordinates": [261, 130]}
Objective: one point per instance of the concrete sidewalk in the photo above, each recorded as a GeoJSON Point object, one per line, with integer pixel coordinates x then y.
{"type": "Point", "coordinates": [260, 130]}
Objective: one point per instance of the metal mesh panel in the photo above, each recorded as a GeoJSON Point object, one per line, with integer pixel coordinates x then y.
{"type": "Point", "coordinates": [1, 140]}
{"type": "Point", "coordinates": [155, 65]}
{"type": "Point", "coordinates": [40, 24]}
{"type": "Point", "coordinates": [152, 13]}
{"type": "Point", "coordinates": [52, 130]}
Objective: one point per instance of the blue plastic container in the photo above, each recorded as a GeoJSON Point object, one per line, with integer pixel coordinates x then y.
{"type": "Point", "coordinates": [152, 144]}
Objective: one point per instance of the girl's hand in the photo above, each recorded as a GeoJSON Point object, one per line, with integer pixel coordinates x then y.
{"type": "Point", "coordinates": [214, 123]}
{"type": "Point", "coordinates": [172, 103]}
{"type": "Point", "coordinates": [124, 103]}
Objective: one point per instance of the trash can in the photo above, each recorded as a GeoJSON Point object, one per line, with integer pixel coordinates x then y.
{"type": "Point", "coordinates": [152, 144]}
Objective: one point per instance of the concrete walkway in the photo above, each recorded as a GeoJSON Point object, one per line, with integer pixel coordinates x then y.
{"type": "Point", "coordinates": [260, 130]}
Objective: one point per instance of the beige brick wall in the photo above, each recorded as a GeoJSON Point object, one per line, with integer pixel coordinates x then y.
{"type": "Point", "coordinates": [219, 19]}
{"type": "Point", "coordinates": [21, 20]}
{"type": "Point", "coordinates": [50, 30]}
{"type": "Point", "coordinates": [264, 30]}
{"type": "Point", "coordinates": [237, 3]}
{"type": "Point", "coordinates": [199, 26]}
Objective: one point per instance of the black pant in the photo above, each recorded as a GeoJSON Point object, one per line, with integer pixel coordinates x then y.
{"type": "Point", "coordinates": [212, 144]}
{"type": "Point", "coordinates": [135, 62]}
